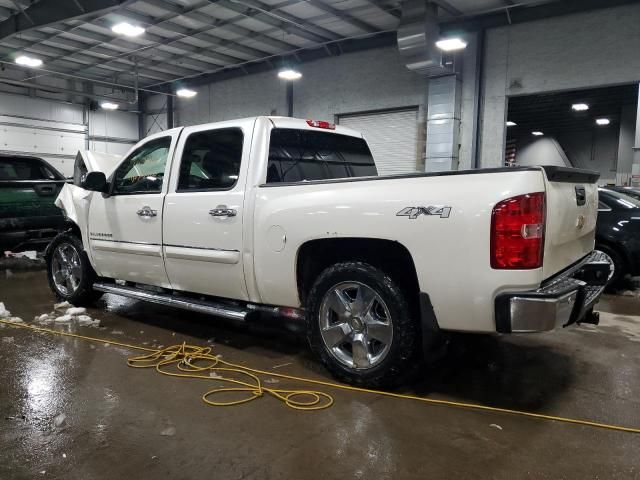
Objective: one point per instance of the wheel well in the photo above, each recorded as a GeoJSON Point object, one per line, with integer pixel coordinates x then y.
{"type": "Point", "coordinates": [74, 229]}
{"type": "Point", "coordinates": [391, 257]}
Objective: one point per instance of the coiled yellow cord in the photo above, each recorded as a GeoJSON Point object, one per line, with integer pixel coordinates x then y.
{"type": "Point", "coordinates": [189, 361]}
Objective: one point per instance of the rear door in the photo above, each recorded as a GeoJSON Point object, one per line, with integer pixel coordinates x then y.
{"type": "Point", "coordinates": [125, 227]}
{"type": "Point", "coordinates": [572, 210]}
{"type": "Point", "coordinates": [204, 210]}
{"type": "Point", "coordinates": [28, 188]}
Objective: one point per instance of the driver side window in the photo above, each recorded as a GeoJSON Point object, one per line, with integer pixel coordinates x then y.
{"type": "Point", "coordinates": [143, 171]}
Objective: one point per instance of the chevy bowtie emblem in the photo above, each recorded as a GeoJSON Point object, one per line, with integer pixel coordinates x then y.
{"type": "Point", "coordinates": [580, 222]}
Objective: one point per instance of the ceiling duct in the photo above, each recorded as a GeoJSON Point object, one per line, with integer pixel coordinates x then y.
{"type": "Point", "coordinates": [417, 36]}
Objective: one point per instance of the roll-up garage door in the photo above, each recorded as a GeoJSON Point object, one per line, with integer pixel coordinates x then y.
{"type": "Point", "coordinates": [392, 137]}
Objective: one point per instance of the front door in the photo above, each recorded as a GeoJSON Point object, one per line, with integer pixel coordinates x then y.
{"type": "Point", "coordinates": [202, 230]}
{"type": "Point", "coordinates": [125, 227]}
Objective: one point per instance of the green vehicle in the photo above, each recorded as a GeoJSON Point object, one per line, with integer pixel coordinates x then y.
{"type": "Point", "coordinates": [28, 189]}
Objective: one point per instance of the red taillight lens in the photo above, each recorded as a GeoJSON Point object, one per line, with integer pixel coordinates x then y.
{"type": "Point", "coordinates": [321, 124]}
{"type": "Point", "coordinates": [517, 232]}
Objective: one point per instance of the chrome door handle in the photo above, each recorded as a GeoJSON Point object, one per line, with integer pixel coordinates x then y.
{"type": "Point", "coordinates": [222, 211]}
{"type": "Point", "coordinates": [147, 212]}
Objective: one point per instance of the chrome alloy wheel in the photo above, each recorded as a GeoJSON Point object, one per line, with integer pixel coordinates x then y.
{"type": "Point", "coordinates": [355, 325]}
{"type": "Point", "coordinates": [66, 269]}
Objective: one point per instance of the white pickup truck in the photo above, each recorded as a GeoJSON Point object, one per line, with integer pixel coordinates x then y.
{"type": "Point", "coordinates": [288, 217]}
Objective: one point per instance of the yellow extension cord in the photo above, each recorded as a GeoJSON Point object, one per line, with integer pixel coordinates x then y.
{"type": "Point", "coordinates": [191, 361]}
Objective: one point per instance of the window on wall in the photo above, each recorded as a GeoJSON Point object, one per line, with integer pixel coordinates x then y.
{"type": "Point", "coordinates": [302, 155]}
{"type": "Point", "coordinates": [211, 160]}
{"type": "Point", "coordinates": [143, 171]}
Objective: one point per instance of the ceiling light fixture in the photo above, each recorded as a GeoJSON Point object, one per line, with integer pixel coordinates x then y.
{"type": "Point", "coordinates": [537, 133]}
{"type": "Point", "coordinates": [289, 74]}
{"type": "Point", "coordinates": [186, 93]}
{"type": "Point", "coordinates": [580, 107]}
{"type": "Point", "coordinates": [603, 121]}
{"type": "Point", "coordinates": [127, 29]}
{"type": "Point", "coordinates": [109, 106]}
{"type": "Point", "coordinates": [451, 44]}
{"type": "Point", "coordinates": [28, 61]}
{"type": "Point", "coordinates": [511, 124]}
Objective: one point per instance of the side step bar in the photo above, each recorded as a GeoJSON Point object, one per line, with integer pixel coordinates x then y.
{"type": "Point", "coordinates": [201, 306]}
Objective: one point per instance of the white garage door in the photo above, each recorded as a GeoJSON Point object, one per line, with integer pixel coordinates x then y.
{"type": "Point", "coordinates": [392, 136]}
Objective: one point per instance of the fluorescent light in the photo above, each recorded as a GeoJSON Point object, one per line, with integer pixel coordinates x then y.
{"type": "Point", "coordinates": [603, 121]}
{"type": "Point", "coordinates": [127, 29]}
{"type": "Point", "coordinates": [580, 107]}
{"type": "Point", "coordinates": [109, 106]}
{"type": "Point", "coordinates": [511, 124]}
{"type": "Point", "coordinates": [451, 44]}
{"type": "Point", "coordinates": [28, 61]}
{"type": "Point", "coordinates": [186, 93]}
{"type": "Point", "coordinates": [289, 74]}
{"type": "Point", "coordinates": [537, 133]}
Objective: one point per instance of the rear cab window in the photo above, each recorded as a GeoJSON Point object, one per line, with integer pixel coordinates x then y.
{"type": "Point", "coordinates": [26, 169]}
{"type": "Point", "coordinates": [304, 155]}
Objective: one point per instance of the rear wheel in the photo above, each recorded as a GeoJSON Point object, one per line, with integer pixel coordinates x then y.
{"type": "Point", "coordinates": [361, 326]}
{"type": "Point", "coordinates": [69, 272]}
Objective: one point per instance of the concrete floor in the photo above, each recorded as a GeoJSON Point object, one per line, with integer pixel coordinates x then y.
{"type": "Point", "coordinates": [115, 417]}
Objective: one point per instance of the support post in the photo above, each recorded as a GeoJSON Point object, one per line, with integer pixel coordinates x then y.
{"type": "Point", "coordinates": [290, 99]}
{"type": "Point", "coordinates": [141, 113]}
{"type": "Point", "coordinates": [169, 111]}
{"type": "Point", "coordinates": [635, 166]}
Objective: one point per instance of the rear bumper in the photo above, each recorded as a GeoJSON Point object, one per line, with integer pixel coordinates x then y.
{"type": "Point", "coordinates": [561, 301]}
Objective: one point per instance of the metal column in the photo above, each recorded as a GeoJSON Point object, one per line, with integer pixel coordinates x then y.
{"type": "Point", "coordinates": [443, 123]}
{"type": "Point", "coordinates": [635, 166]}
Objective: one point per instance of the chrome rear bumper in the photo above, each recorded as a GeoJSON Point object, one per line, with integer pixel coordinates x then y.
{"type": "Point", "coordinates": [560, 301]}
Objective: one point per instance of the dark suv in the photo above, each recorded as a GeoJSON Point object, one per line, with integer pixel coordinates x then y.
{"type": "Point", "coordinates": [618, 231]}
{"type": "Point", "coordinates": [28, 188]}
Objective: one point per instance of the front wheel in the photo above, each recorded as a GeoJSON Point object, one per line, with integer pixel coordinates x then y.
{"type": "Point", "coordinates": [360, 324]}
{"type": "Point", "coordinates": [69, 272]}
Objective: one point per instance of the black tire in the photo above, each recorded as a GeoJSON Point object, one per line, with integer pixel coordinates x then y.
{"type": "Point", "coordinates": [403, 351]}
{"type": "Point", "coordinates": [84, 294]}
{"type": "Point", "coordinates": [619, 270]}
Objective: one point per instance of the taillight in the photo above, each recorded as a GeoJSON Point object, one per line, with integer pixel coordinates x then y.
{"type": "Point", "coordinates": [517, 232]}
{"type": "Point", "coordinates": [321, 124]}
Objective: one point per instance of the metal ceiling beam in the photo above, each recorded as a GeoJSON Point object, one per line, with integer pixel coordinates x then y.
{"type": "Point", "coordinates": [50, 12]}
{"type": "Point", "coordinates": [521, 12]}
{"type": "Point", "coordinates": [300, 30]}
{"type": "Point", "coordinates": [288, 18]}
{"type": "Point", "coordinates": [344, 16]}
{"type": "Point", "coordinates": [58, 55]}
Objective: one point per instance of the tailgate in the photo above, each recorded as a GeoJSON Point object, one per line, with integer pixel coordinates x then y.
{"type": "Point", "coordinates": [572, 210]}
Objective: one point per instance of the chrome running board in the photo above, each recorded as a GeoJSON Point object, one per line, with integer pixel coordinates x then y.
{"type": "Point", "coordinates": [201, 306]}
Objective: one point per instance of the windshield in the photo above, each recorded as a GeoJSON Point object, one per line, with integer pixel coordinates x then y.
{"type": "Point", "coordinates": [619, 200]}
{"type": "Point", "coordinates": [303, 155]}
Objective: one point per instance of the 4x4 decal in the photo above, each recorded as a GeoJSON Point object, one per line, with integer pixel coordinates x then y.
{"type": "Point", "coordinates": [415, 212]}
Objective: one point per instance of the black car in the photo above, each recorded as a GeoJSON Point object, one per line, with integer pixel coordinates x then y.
{"type": "Point", "coordinates": [618, 231]}
{"type": "Point", "coordinates": [630, 191]}
{"type": "Point", "coordinates": [28, 188]}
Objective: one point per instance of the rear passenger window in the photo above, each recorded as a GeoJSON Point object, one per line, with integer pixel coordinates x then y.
{"type": "Point", "coordinates": [303, 155]}
{"type": "Point", "coordinates": [211, 160]}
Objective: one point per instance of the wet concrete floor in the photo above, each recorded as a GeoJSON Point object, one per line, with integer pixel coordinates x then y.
{"type": "Point", "coordinates": [74, 410]}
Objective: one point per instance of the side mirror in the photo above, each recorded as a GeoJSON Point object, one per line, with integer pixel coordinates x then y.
{"type": "Point", "coordinates": [95, 182]}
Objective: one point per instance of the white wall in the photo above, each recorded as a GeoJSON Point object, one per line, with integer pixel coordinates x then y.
{"type": "Point", "coordinates": [350, 83]}
{"type": "Point", "coordinates": [55, 130]}
{"type": "Point", "coordinates": [584, 50]}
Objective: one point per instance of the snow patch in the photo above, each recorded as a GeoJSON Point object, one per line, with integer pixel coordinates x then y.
{"type": "Point", "coordinates": [76, 311]}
